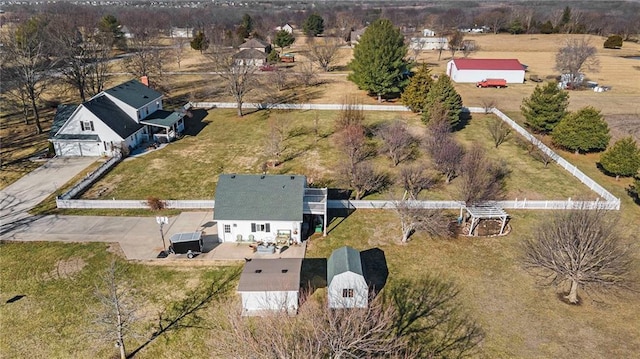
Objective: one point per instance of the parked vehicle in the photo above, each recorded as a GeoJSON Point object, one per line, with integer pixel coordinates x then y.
{"type": "Point", "coordinates": [287, 58]}
{"type": "Point", "coordinates": [189, 243]}
{"type": "Point", "coordinates": [268, 67]}
{"type": "Point", "coordinates": [499, 83]}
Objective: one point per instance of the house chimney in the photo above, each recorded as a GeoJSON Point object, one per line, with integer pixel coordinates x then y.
{"type": "Point", "coordinates": [145, 80]}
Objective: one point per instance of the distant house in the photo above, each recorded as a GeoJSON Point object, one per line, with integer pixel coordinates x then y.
{"type": "Point", "coordinates": [355, 35]}
{"type": "Point", "coordinates": [474, 70]}
{"type": "Point", "coordinates": [126, 32]}
{"type": "Point", "coordinates": [270, 285]}
{"type": "Point", "coordinates": [181, 32]}
{"type": "Point", "coordinates": [265, 208]}
{"type": "Point", "coordinates": [428, 43]}
{"type": "Point", "coordinates": [121, 117]}
{"type": "Point", "coordinates": [250, 57]}
{"type": "Point", "coordinates": [256, 44]}
{"type": "Point", "coordinates": [286, 27]}
{"type": "Point", "coordinates": [428, 33]}
{"type": "Point", "coordinates": [346, 284]}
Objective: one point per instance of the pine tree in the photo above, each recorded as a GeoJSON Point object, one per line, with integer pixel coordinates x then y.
{"type": "Point", "coordinates": [283, 39]}
{"type": "Point", "coordinates": [546, 106]}
{"type": "Point", "coordinates": [379, 64]}
{"type": "Point", "coordinates": [200, 42]}
{"type": "Point", "coordinates": [313, 25]}
{"type": "Point", "coordinates": [582, 131]}
{"type": "Point", "coordinates": [443, 92]}
{"type": "Point", "coordinates": [247, 23]}
{"type": "Point", "coordinates": [622, 159]}
{"type": "Point", "coordinates": [415, 95]}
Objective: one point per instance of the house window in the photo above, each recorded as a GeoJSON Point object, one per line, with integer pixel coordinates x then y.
{"type": "Point", "coordinates": [260, 227]}
{"type": "Point", "coordinates": [86, 125]}
{"type": "Point", "coordinates": [227, 228]}
{"type": "Point", "coordinates": [347, 293]}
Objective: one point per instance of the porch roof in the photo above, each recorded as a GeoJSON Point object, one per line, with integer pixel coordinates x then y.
{"type": "Point", "coordinates": [162, 118]}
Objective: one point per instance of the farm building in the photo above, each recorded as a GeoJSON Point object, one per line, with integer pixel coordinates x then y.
{"type": "Point", "coordinates": [266, 208]}
{"type": "Point", "coordinates": [428, 43]}
{"type": "Point", "coordinates": [346, 285]}
{"type": "Point", "coordinates": [125, 115]}
{"type": "Point", "coordinates": [268, 285]}
{"type": "Point", "coordinates": [474, 70]}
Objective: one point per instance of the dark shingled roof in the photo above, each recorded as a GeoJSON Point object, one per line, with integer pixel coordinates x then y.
{"type": "Point", "coordinates": [134, 93]}
{"type": "Point", "coordinates": [343, 259]}
{"type": "Point", "coordinates": [259, 197]}
{"type": "Point", "coordinates": [254, 44]}
{"type": "Point", "coordinates": [250, 54]}
{"type": "Point", "coordinates": [112, 116]}
{"type": "Point", "coordinates": [261, 275]}
{"type": "Point", "coordinates": [63, 112]}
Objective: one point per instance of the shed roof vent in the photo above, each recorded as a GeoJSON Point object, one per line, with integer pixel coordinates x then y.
{"type": "Point", "coordinates": [293, 177]}
{"type": "Point", "coordinates": [285, 270]}
{"type": "Point", "coordinates": [258, 270]}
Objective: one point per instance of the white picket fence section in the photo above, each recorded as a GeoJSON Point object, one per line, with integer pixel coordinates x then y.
{"type": "Point", "coordinates": [610, 201]}
{"type": "Point", "coordinates": [91, 178]}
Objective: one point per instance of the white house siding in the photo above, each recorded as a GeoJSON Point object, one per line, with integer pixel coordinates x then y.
{"type": "Point", "coordinates": [256, 303]}
{"type": "Point", "coordinates": [472, 76]}
{"type": "Point", "coordinates": [348, 280]}
{"type": "Point", "coordinates": [72, 148]}
{"type": "Point", "coordinates": [144, 111]}
{"type": "Point", "coordinates": [428, 43]}
{"type": "Point", "coordinates": [243, 228]}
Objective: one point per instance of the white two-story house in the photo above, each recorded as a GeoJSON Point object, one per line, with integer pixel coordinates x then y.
{"type": "Point", "coordinates": [123, 116]}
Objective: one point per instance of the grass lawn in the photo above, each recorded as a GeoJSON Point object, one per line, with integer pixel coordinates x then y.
{"type": "Point", "coordinates": [53, 317]}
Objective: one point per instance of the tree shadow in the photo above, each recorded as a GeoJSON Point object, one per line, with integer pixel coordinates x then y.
{"type": "Point", "coordinates": [465, 117]}
{"type": "Point", "coordinates": [313, 274]}
{"type": "Point", "coordinates": [185, 313]}
{"type": "Point", "coordinates": [374, 267]}
{"type": "Point", "coordinates": [195, 123]}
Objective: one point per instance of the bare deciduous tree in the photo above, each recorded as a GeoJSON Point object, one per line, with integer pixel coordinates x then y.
{"type": "Point", "coordinates": [306, 73]}
{"type": "Point", "coordinates": [575, 56]}
{"type": "Point", "coordinates": [352, 141]}
{"type": "Point", "coordinates": [446, 154]}
{"type": "Point", "coordinates": [240, 78]}
{"type": "Point", "coordinates": [499, 131]}
{"type": "Point", "coordinates": [279, 79]}
{"type": "Point", "coordinates": [413, 217]}
{"type": "Point", "coordinates": [117, 312]}
{"type": "Point", "coordinates": [179, 44]}
{"type": "Point", "coordinates": [581, 248]}
{"type": "Point", "coordinates": [456, 40]}
{"type": "Point", "coordinates": [415, 179]}
{"type": "Point", "coordinates": [469, 47]}
{"type": "Point", "coordinates": [277, 137]}
{"type": "Point", "coordinates": [364, 179]}
{"type": "Point", "coordinates": [323, 51]}
{"type": "Point", "coordinates": [481, 179]}
{"type": "Point", "coordinates": [396, 141]}
{"type": "Point", "coordinates": [351, 114]}
{"type": "Point", "coordinates": [534, 150]}
{"type": "Point", "coordinates": [488, 104]}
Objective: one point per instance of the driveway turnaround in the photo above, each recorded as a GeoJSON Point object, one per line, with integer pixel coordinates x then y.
{"type": "Point", "coordinates": [18, 198]}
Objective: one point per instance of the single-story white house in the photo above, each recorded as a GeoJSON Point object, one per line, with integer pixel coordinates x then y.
{"type": "Point", "coordinates": [250, 57]}
{"type": "Point", "coordinates": [183, 32]}
{"type": "Point", "coordinates": [270, 285]}
{"type": "Point", "coordinates": [262, 208]}
{"type": "Point", "coordinates": [123, 116]}
{"type": "Point", "coordinates": [286, 27]}
{"type": "Point", "coordinates": [428, 33]}
{"type": "Point", "coordinates": [474, 70]}
{"type": "Point", "coordinates": [428, 43]}
{"type": "Point", "coordinates": [346, 284]}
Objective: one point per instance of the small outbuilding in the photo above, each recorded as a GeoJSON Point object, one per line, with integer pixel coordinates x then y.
{"type": "Point", "coordinates": [475, 70]}
{"type": "Point", "coordinates": [270, 285]}
{"type": "Point", "coordinates": [347, 287]}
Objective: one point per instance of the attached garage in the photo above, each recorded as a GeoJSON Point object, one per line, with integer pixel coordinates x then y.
{"type": "Point", "coordinates": [270, 285]}
{"type": "Point", "coordinates": [475, 70]}
{"type": "Point", "coordinates": [77, 145]}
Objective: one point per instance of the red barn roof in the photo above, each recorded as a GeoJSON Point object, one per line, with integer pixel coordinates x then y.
{"type": "Point", "coordinates": [488, 64]}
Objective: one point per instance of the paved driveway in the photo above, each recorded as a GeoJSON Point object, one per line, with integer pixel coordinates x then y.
{"type": "Point", "coordinates": [18, 198]}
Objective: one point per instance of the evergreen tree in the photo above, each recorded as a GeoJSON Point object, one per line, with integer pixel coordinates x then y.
{"type": "Point", "coordinates": [313, 25]}
{"type": "Point", "coordinates": [622, 159]}
{"type": "Point", "coordinates": [582, 131]}
{"type": "Point", "coordinates": [546, 106]}
{"type": "Point", "coordinates": [273, 57]}
{"type": "Point", "coordinates": [200, 42]}
{"type": "Point", "coordinates": [415, 95]}
{"type": "Point", "coordinates": [613, 42]}
{"type": "Point", "coordinates": [110, 26]}
{"type": "Point", "coordinates": [443, 92]}
{"type": "Point", "coordinates": [379, 64]}
{"type": "Point", "coordinates": [247, 23]}
{"type": "Point", "coordinates": [283, 39]}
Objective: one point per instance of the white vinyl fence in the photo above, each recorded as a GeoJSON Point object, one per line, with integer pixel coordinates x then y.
{"type": "Point", "coordinates": [86, 182]}
{"type": "Point", "coordinates": [610, 201]}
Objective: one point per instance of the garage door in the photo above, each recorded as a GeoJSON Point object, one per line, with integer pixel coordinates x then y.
{"type": "Point", "coordinates": [70, 149]}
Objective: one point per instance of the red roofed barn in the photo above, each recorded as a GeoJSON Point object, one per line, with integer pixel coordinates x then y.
{"type": "Point", "coordinates": [474, 70]}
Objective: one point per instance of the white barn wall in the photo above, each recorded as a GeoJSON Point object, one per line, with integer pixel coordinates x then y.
{"type": "Point", "coordinates": [244, 228]}
{"type": "Point", "coordinates": [472, 76]}
{"type": "Point", "coordinates": [348, 280]}
{"type": "Point", "coordinates": [256, 303]}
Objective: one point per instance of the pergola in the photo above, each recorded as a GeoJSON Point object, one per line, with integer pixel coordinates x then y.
{"type": "Point", "coordinates": [479, 212]}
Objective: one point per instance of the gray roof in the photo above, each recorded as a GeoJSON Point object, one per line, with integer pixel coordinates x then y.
{"type": "Point", "coordinates": [254, 44]}
{"type": "Point", "coordinates": [250, 54]}
{"type": "Point", "coordinates": [63, 112]}
{"type": "Point", "coordinates": [134, 93]}
{"type": "Point", "coordinates": [259, 197]}
{"type": "Point", "coordinates": [260, 275]}
{"type": "Point", "coordinates": [343, 259]}
{"type": "Point", "coordinates": [162, 118]}
{"type": "Point", "coordinates": [109, 113]}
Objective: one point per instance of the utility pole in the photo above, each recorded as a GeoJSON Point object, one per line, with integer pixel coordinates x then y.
{"type": "Point", "coordinates": [162, 221]}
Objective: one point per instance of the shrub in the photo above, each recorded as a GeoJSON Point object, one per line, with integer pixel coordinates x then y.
{"type": "Point", "coordinates": [156, 204]}
{"type": "Point", "coordinates": [613, 42]}
{"type": "Point", "coordinates": [582, 131]}
{"type": "Point", "coordinates": [622, 159]}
